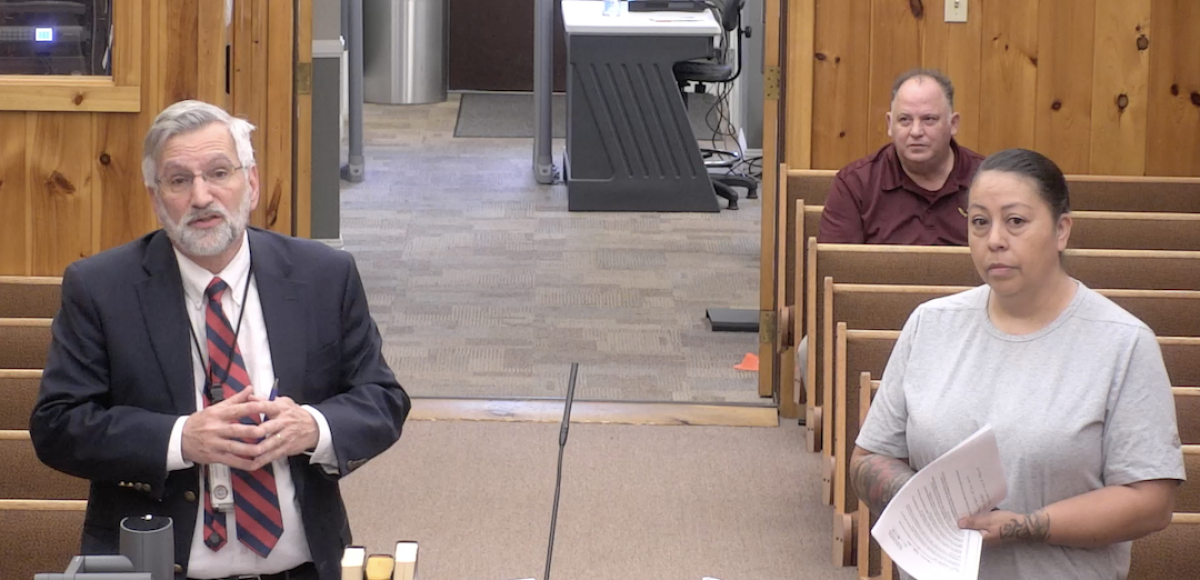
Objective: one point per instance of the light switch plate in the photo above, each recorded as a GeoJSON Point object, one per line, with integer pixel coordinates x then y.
{"type": "Point", "coordinates": [956, 10]}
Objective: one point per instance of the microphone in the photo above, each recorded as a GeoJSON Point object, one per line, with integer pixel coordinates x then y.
{"type": "Point", "coordinates": [562, 443]}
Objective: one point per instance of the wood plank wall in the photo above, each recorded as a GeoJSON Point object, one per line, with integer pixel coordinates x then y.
{"type": "Point", "coordinates": [71, 182]}
{"type": "Point", "coordinates": [1101, 86]}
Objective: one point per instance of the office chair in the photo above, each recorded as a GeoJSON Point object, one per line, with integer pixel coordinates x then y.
{"type": "Point", "coordinates": [719, 69]}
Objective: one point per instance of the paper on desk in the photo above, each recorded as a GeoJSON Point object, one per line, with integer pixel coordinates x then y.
{"type": "Point", "coordinates": [919, 528]}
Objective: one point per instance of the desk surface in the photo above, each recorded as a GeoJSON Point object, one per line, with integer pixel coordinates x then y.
{"type": "Point", "coordinates": [587, 17]}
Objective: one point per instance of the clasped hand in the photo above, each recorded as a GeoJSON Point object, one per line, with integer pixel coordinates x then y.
{"type": "Point", "coordinates": [215, 435]}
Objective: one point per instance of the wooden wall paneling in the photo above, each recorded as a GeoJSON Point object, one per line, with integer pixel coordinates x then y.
{"type": "Point", "coordinates": [1121, 75]}
{"type": "Point", "coordinates": [769, 265]}
{"type": "Point", "coordinates": [302, 214]}
{"type": "Point", "coordinates": [211, 40]}
{"type": "Point", "coordinates": [278, 120]}
{"type": "Point", "coordinates": [799, 75]}
{"type": "Point", "coordinates": [1065, 53]}
{"type": "Point", "coordinates": [59, 181]}
{"type": "Point", "coordinates": [841, 76]}
{"type": "Point", "coordinates": [182, 40]}
{"type": "Point", "coordinates": [895, 48]}
{"type": "Point", "coordinates": [121, 207]}
{"type": "Point", "coordinates": [15, 243]}
{"type": "Point", "coordinates": [128, 30]}
{"type": "Point", "coordinates": [1008, 81]}
{"type": "Point", "coordinates": [954, 49]}
{"type": "Point", "coordinates": [1173, 145]}
{"type": "Point", "coordinates": [249, 91]}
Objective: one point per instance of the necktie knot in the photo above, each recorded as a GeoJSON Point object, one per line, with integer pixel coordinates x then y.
{"type": "Point", "coordinates": [216, 289]}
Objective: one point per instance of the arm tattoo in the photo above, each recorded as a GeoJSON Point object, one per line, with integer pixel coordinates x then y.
{"type": "Point", "coordinates": [1034, 527]}
{"type": "Point", "coordinates": [877, 479]}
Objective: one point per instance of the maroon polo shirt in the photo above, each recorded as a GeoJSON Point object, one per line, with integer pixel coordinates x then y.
{"type": "Point", "coordinates": [873, 201]}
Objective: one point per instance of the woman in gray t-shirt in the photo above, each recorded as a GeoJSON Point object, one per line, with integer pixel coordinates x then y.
{"type": "Point", "coordinates": [1073, 386]}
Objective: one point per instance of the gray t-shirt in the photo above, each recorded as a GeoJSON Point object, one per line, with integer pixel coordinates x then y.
{"type": "Point", "coordinates": [1081, 404]}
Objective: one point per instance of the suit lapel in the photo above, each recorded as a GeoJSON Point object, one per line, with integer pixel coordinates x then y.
{"type": "Point", "coordinates": [165, 315]}
{"type": "Point", "coordinates": [282, 309]}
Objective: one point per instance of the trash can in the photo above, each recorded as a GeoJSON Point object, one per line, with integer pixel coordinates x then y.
{"type": "Point", "coordinates": [404, 51]}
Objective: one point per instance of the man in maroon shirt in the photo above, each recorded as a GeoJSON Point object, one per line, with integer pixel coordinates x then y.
{"type": "Point", "coordinates": [911, 191]}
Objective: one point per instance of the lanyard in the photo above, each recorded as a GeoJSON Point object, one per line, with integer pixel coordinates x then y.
{"type": "Point", "coordinates": [213, 394]}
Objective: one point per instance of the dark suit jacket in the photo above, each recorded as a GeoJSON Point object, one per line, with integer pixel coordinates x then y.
{"type": "Point", "coordinates": [119, 373]}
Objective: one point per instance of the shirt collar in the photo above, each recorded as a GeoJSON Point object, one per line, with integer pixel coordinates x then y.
{"type": "Point", "coordinates": [894, 177]}
{"type": "Point", "coordinates": [196, 279]}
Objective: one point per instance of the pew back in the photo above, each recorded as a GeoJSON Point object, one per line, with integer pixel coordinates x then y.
{"type": "Point", "coordinates": [1087, 192]}
{"type": "Point", "coordinates": [18, 393]}
{"type": "Point", "coordinates": [24, 476]}
{"type": "Point", "coordinates": [29, 297]}
{"type": "Point", "coordinates": [48, 537]}
{"type": "Point", "coordinates": [24, 342]}
{"type": "Point", "coordinates": [1104, 230]}
{"type": "Point", "coordinates": [1169, 553]}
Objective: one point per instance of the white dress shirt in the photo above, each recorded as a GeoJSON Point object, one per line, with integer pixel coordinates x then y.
{"type": "Point", "coordinates": [234, 557]}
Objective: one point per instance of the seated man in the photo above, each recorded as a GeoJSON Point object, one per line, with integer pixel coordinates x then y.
{"type": "Point", "coordinates": [913, 190]}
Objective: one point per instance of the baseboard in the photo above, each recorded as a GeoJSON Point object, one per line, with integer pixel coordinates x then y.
{"type": "Point", "coordinates": [614, 412]}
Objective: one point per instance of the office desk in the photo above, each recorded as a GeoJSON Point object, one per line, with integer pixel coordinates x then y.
{"type": "Point", "coordinates": [630, 146]}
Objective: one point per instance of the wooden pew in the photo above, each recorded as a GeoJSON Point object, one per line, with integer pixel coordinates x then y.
{"type": "Point", "coordinates": [18, 393]}
{"type": "Point", "coordinates": [859, 351]}
{"type": "Point", "coordinates": [24, 342]}
{"type": "Point", "coordinates": [799, 187]}
{"type": "Point", "coordinates": [888, 306]}
{"type": "Point", "coordinates": [41, 536]}
{"type": "Point", "coordinates": [29, 296]}
{"type": "Point", "coordinates": [1169, 554]}
{"type": "Point", "coordinates": [1187, 414]}
{"type": "Point", "coordinates": [1088, 192]}
{"type": "Point", "coordinates": [1105, 230]}
{"type": "Point", "coordinates": [918, 265]}
{"type": "Point", "coordinates": [24, 476]}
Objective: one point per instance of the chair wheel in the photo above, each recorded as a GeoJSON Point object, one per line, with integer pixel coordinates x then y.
{"type": "Point", "coordinates": [732, 204]}
{"type": "Point", "coordinates": [752, 193]}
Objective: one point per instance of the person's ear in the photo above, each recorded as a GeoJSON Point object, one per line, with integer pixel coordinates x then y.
{"type": "Point", "coordinates": [954, 118]}
{"type": "Point", "coordinates": [1063, 231]}
{"type": "Point", "coordinates": [888, 119]}
{"type": "Point", "coordinates": [252, 174]}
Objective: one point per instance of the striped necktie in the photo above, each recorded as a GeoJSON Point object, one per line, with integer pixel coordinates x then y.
{"type": "Point", "coordinates": [255, 500]}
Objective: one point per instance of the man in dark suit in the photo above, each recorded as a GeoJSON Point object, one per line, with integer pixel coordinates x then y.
{"type": "Point", "coordinates": [209, 344]}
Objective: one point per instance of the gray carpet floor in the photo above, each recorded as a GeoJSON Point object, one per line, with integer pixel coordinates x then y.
{"type": "Point", "coordinates": [484, 285]}
{"type": "Point", "coordinates": [511, 115]}
{"type": "Point", "coordinates": [657, 503]}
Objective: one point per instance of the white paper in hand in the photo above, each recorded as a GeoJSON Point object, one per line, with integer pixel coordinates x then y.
{"type": "Point", "coordinates": [919, 528]}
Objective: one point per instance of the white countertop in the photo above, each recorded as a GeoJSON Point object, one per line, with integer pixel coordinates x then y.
{"type": "Point", "coordinates": [587, 17]}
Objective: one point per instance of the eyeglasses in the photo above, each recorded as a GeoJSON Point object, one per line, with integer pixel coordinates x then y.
{"type": "Point", "coordinates": [181, 183]}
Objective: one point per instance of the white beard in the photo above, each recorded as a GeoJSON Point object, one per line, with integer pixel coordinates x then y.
{"type": "Point", "coordinates": [205, 242]}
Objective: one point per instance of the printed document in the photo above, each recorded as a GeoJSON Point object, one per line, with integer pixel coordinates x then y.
{"type": "Point", "coordinates": [919, 528]}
